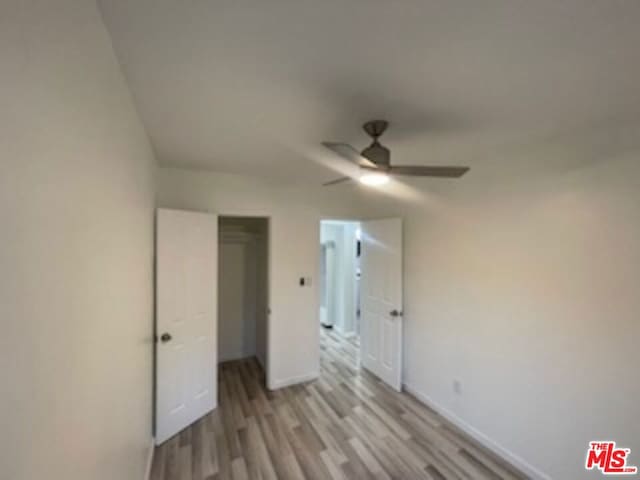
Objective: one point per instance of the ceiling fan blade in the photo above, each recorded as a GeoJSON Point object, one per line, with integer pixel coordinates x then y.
{"type": "Point", "coordinates": [348, 152]}
{"type": "Point", "coordinates": [336, 181]}
{"type": "Point", "coordinates": [425, 171]}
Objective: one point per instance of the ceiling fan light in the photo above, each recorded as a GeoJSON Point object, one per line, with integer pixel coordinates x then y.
{"type": "Point", "coordinates": [374, 179]}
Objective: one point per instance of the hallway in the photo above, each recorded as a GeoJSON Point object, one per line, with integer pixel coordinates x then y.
{"type": "Point", "coordinates": [345, 425]}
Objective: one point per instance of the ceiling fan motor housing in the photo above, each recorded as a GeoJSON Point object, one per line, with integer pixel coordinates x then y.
{"type": "Point", "coordinates": [378, 154]}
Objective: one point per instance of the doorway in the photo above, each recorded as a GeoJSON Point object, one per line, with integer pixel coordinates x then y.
{"type": "Point", "coordinates": [243, 289]}
{"type": "Point", "coordinates": [340, 278]}
{"type": "Point", "coordinates": [360, 285]}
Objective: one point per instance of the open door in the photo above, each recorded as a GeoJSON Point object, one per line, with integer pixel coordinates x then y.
{"type": "Point", "coordinates": [186, 317]}
{"type": "Point", "coordinates": [381, 299]}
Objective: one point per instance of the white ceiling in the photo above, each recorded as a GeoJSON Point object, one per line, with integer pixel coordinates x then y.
{"type": "Point", "coordinates": [254, 86]}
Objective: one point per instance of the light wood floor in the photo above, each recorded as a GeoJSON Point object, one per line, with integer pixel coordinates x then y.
{"type": "Point", "coordinates": [345, 425]}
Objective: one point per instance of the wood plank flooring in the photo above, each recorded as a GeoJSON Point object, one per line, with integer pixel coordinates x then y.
{"type": "Point", "coordinates": [345, 425]}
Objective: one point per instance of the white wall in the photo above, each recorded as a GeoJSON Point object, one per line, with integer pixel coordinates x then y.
{"type": "Point", "coordinates": [524, 286]}
{"type": "Point", "coordinates": [295, 214]}
{"type": "Point", "coordinates": [76, 237]}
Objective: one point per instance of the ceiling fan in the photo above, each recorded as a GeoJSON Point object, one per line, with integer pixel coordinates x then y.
{"type": "Point", "coordinates": [375, 160]}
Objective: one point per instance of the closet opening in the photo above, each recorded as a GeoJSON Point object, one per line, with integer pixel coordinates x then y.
{"type": "Point", "coordinates": [243, 292]}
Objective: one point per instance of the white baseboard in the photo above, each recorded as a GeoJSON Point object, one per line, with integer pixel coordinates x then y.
{"type": "Point", "coordinates": [479, 437]}
{"type": "Point", "coordinates": [287, 382]}
{"type": "Point", "coordinates": [152, 449]}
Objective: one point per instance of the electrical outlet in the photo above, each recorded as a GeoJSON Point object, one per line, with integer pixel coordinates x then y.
{"type": "Point", "coordinates": [457, 387]}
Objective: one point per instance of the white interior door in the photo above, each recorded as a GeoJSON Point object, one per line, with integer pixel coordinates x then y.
{"type": "Point", "coordinates": [186, 317]}
{"type": "Point", "coordinates": [381, 299]}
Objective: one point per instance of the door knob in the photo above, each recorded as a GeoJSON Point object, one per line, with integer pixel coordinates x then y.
{"type": "Point", "coordinates": [395, 313]}
{"type": "Point", "coordinates": [166, 337]}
